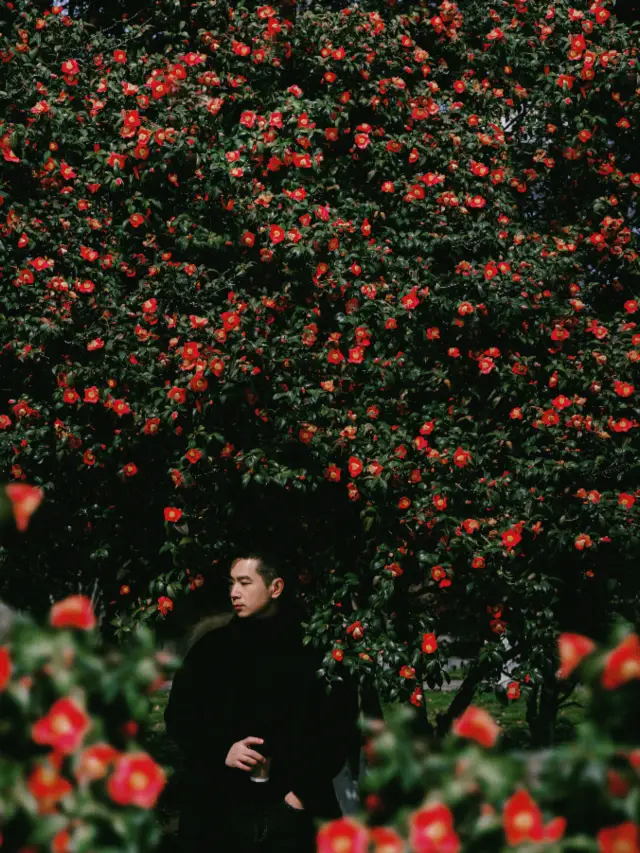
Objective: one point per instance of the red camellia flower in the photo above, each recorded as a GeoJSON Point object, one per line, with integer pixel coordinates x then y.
{"type": "Point", "coordinates": [136, 220]}
{"type": "Point", "coordinates": [193, 455]}
{"type": "Point", "coordinates": [5, 667]}
{"type": "Point", "coordinates": [395, 570]}
{"type": "Point", "coordinates": [63, 728]}
{"type": "Point", "coordinates": [431, 830]}
{"type": "Point", "coordinates": [561, 402]}
{"type": "Point", "coordinates": [337, 655]}
{"type": "Point", "coordinates": [89, 457]}
{"type": "Point", "coordinates": [172, 513]}
{"type": "Point", "coordinates": [522, 821]}
{"type": "Point", "coordinates": [622, 664]}
{"type": "Point", "coordinates": [478, 725]}
{"type": "Point", "coordinates": [623, 389]}
{"type": "Point", "coordinates": [407, 672]}
{"type": "Point", "coordinates": [61, 842]}
{"type": "Point", "coordinates": [572, 648]}
{"type": "Point", "coordinates": [416, 697]}
{"type": "Point", "coordinates": [93, 762]}
{"type": "Point", "coordinates": [344, 835]}
{"type": "Point", "coordinates": [429, 643]}
{"type": "Point", "coordinates": [76, 611]}
{"type": "Point", "coordinates": [512, 536]}
{"type": "Point", "coordinates": [623, 838]}
{"type": "Point", "coordinates": [513, 690]}
{"type": "Point", "coordinates": [276, 234]}
{"type": "Point", "coordinates": [622, 425]}
{"type": "Point", "coordinates": [486, 365]}
{"type": "Point", "coordinates": [411, 300]}
{"type": "Point", "coordinates": [121, 408]}
{"type": "Point", "coordinates": [46, 784]}
{"type": "Point", "coordinates": [461, 457]}
{"type": "Point", "coordinates": [165, 605]}
{"type": "Point", "coordinates": [355, 466]}
{"type": "Point", "coordinates": [70, 66]}
{"type": "Point", "coordinates": [601, 14]}
{"type": "Point", "coordinates": [438, 573]}
{"type": "Point", "coordinates": [583, 541]}
{"type": "Point", "coordinates": [386, 840]}
{"type": "Point", "coordinates": [498, 626]}
{"type": "Point", "coordinates": [24, 500]}
{"type": "Point", "coordinates": [356, 630]}
{"type": "Point", "coordinates": [151, 426]}
{"type": "Point", "coordinates": [178, 395]}
{"type": "Point", "coordinates": [549, 417]}
{"type": "Point", "coordinates": [248, 118]}
{"type": "Point", "coordinates": [216, 366]}
{"type": "Point", "coordinates": [136, 781]}
{"type": "Point", "coordinates": [490, 270]}
{"type": "Point", "coordinates": [230, 320]}
{"type": "Point", "coordinates": [626, 500]}
{"type": "Point", "coordinates": [333, 473]}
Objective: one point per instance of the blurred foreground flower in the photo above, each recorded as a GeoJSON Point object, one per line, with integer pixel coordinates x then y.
{"type": "Point", "coordinates": [24, 500]}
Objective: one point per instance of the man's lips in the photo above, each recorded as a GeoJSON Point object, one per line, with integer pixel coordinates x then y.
{"type": "Point", "coordinates": [237, 606]}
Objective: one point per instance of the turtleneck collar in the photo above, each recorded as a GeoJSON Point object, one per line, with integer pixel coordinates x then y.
{"type": "Point", "coordinates": [281, 627]}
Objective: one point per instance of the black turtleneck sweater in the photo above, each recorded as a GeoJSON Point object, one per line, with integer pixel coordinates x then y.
{"type": "Point", "coordinates": [253, 677]}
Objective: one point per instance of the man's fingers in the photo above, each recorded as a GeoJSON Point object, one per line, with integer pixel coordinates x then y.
{"type": "Point", "coordinates": [242, 766]}
{"type": "Point", "coordinates": [251, 754]}
{"type": "Point", "coordinates": [250, 740]}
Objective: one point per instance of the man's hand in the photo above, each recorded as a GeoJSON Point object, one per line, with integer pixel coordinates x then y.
{"type": "Point", "coordinates": [293, 801]}
{"type": "Point", "coordinates": [242, 757]}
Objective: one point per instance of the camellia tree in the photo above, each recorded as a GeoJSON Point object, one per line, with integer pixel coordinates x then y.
{"type": "Point", "coordinates": [360, 280]}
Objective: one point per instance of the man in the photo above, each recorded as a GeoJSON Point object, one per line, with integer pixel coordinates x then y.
{"type": "Point", "coordinates": [246, 704]}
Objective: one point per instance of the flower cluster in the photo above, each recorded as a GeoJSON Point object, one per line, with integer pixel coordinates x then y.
{"type": "Point", "coordinates": [479, 797]}
{"type": "Point", "coordinates": [72, 774]}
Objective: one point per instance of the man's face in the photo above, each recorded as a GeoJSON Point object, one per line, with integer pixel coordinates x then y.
{"type": "Point", "coordinates": [247, 589]}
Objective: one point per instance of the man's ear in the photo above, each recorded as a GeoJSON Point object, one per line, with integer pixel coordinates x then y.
{"type": "Point", "coordinates": [277, 588]}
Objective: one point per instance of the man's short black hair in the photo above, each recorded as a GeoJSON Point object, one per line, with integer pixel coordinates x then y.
{"type": "Point", "coordinates": [269, 567]}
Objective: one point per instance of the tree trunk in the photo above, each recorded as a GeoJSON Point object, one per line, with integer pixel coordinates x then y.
{"type": "Point", "coordinates": [542, 710]}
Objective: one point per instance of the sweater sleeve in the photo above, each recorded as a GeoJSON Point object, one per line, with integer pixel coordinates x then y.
{"type": "Point", "coordinates": [329, 721]}
{"type": "Point", "coordinates": [193, 715]}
